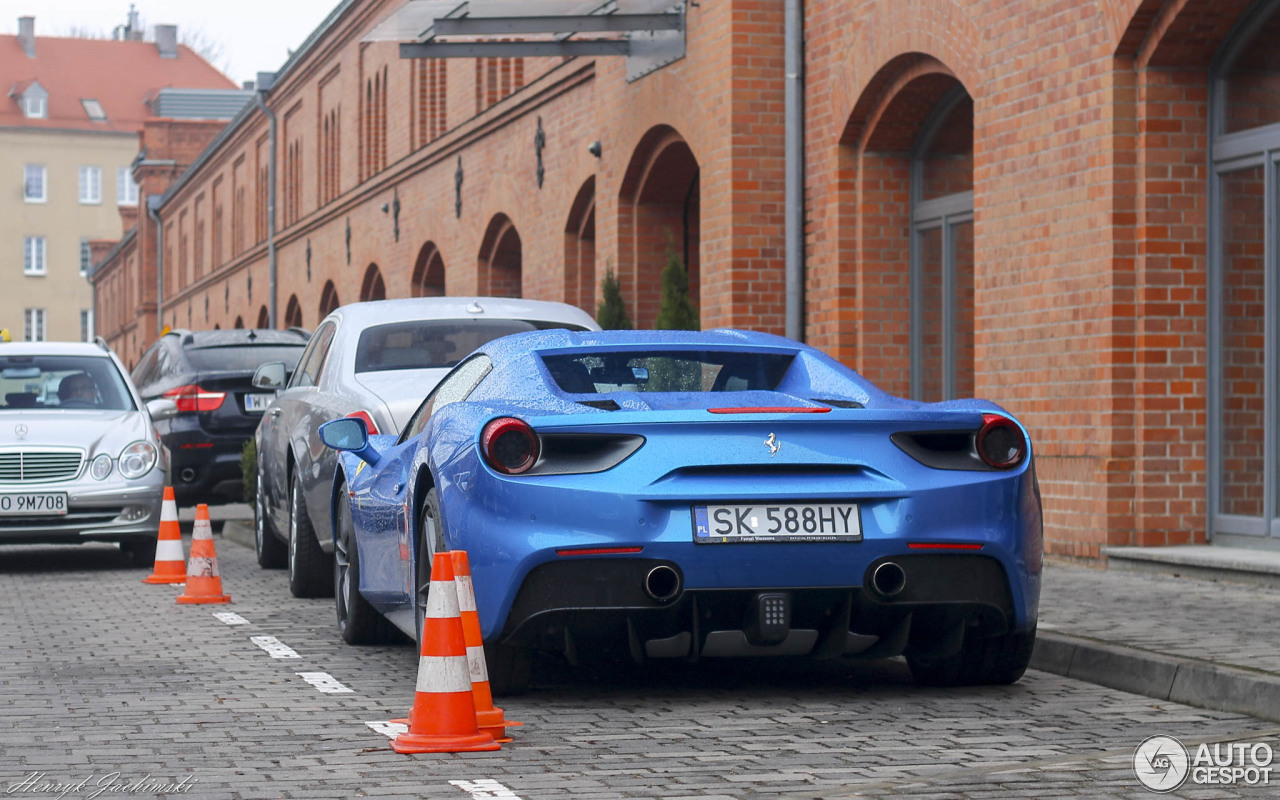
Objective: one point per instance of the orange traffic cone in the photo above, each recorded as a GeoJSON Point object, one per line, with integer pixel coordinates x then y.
{"type": "Point", "coordinates": [443, 717]}
{"type": "Point", "coordinates": [204, 585]}
{"type": "Point", "coordinates": [488, 718]}
{"type": "Point", "coordinates": [170, 564]}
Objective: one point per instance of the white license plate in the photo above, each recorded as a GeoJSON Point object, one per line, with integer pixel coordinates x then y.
{"type": "Point", "coordinates": [33, 504]}
{"type": "Point", "coordinates": [782, 522]}
{"type": "Point", "coordinates": [257, 402]}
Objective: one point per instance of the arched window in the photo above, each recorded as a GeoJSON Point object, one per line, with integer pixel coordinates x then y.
{"type": "Point", "coordinates": [372, 288]}
{"type": "Point", "coordinates": [428, 272]}
{"type": "Point", "coordinates": [501, 259]}
{"type": "Point", "coordinates": [328, 299]}
{"type": "Point", "coordinates": [293, 313]}
{"type": "Point", "coordinates": [580, 249]}
{"type": "Point", "coordinates": [264, 318]}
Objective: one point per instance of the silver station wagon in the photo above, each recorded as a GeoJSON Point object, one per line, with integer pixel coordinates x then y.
{"type": "Point", "coordinates": [79, 459]}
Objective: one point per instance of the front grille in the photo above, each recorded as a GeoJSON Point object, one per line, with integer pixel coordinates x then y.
{"type": "Point", "coordinates": [39, 466]}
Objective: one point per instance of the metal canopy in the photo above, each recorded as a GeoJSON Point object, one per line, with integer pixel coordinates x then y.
{"type": "Point", "coordinates": [650, 33]}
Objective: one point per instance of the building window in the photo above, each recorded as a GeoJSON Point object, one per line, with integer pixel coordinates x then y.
{"type": "Point", "coordinates": [94, 109]}
{"type": "Point", "coordinates": [34, 181]}
{"type": "Point", "coordinates": [33, 255]}
{"type": "Point", "coordinates": [126, 189]}
{"type": "Point", "coordinates": [33, 325]}
{"type": "Point", "coordinates": [86, 325]}
{"type": "Point", "coordinates": [86, 257]}
{"type": "Point", "coordinates": [34, 108]}
{"type": "Point", "coordinates": [91, 185]}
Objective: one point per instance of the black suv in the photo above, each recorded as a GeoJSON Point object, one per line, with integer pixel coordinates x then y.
{"type": "Point", "coordinates": [209, 375]}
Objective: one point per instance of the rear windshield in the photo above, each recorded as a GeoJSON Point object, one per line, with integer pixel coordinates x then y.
{"type": "Point", "coordinates": [436, 343]}
{"type": "Point", "coordinates": [243, 357]}
{"type": "Point", "coordinates": [667, 371]}
{"type": "Point", "coordinates": [68, 382]}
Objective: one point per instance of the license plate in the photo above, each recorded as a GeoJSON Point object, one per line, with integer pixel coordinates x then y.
{"type": "Point", "coordinates": [783, 522]}
{"type": "Point", "coordinates": [33, 504]}
{"type": "Point", "coordinates": [257, 402]}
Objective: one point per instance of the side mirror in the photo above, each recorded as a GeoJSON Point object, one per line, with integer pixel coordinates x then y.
{"type": "Point", "coordinates": [351, 435]}
{"type": "Point", "coordinates": [270, 376]}
{"type": "Point", "coordinates": [161, 409]}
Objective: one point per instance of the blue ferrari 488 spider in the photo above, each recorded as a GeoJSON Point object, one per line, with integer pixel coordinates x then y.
{"type": "Point", "coordinates": [688, 495]}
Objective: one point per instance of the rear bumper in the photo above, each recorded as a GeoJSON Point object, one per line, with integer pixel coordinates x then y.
{"type": "Point", "coordinates": [586, 599]}
{"type": "Point", "coordinates": [110, 513]}
{"type": "Point", "coordinates": [205, 468]}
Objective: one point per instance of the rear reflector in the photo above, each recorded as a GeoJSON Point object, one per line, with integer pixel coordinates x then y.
{"type": "Point", "coordinates": [196, 446]}
{"type": "Point", "coordinates": [597, 551]}
{"type": "Point", "coordinates": [942, 546]}
{"type": "Point", "coordinates": [770, 410]}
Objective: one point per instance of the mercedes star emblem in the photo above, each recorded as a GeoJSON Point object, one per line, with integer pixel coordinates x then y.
{"type": "Point", "coordinates": [21, 430]}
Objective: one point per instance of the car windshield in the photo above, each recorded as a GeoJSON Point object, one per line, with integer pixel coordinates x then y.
{"type": "Point", "coordinates": [67, 382]}
{"type": "Point", "coordinates": [436, 343]}
{"type": "Point", "coordinates": [243, 357]}
{"type": "Point", "coordinates": [667, 371]}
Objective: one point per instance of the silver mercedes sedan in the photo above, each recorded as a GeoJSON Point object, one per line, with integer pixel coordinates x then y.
{"type": "Point", "coordinates": [376, 361]}
{"type": "Point", "coordinates": [79, 459]}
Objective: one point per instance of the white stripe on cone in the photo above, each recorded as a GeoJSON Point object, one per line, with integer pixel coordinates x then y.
{"type": "Point", "coordinates": [168, 511]}
{"type": "Point", "coordinates": [443, 674]}
{"type": "Point", "coordinates": [476, 663]}
{"type": "Point", "coordinates": [442, 601]}
{"type": "Point", "coordinates": [201, 530]}
{"type": "Point", "coordinates": [466, 594]}
{"type": "Point", "coordinates": [202, 567]}
{"type": "Point", "coordinates": [170, 550]}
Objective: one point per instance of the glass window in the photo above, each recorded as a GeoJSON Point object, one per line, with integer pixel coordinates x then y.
{"type": "Point", "coordinates": [429, 344]}
{"type": "Point", "coordinates": [242, 357]}
{"type": "Point", "coordinates": [91, 185]}
{"type": "Point", "coordinates": [33, 325]}
{"type": "Point", "coordinates": [34, 107]}
{"type": "Point", "coordinates": [86, 257]}
{"type": "Point", "coordinates": [34, 180]}
{"type": "Point", "coordinates": [126, 188]}
{"type": "Point", "coordinates": [309, 367]}
{"type": "Point", "coordinates": [86, 325]}
{"type": "Point", "coordinates": [947, 161]}
{"type": "Point", "coordinates": [456, 386]}
{"type": "Point", "coordinates": [597, 372]}
{"type": "Point", "coordinates": [34, 254]}
{"type": "Point", "coordinates": [94, 109]}
{"type": "Point", "coordinates": [62, 381]}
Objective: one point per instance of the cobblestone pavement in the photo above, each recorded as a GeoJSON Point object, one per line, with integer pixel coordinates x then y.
{"type": "Point", "coordinates": [106, 680]}
{"type": "Point", "coordinates": [1225, 623]}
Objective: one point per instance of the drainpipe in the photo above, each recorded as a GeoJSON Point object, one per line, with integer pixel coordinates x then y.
{"type": "Point", "coordinates": [265, 81]}
{"type": "Point", "coordinates": [794, 147]}
{"type": "Point", "coordinates": [153, 205]}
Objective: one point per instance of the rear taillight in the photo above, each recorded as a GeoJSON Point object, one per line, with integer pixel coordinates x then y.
{"type": "Point", "coordinates": [192, 398]}
{"type": "Point", "coordinates": [364, 417]}
{"type": "Point", "coordinates": [1000, 442]}
{"type": "Point", "coordinates": [509, 445]}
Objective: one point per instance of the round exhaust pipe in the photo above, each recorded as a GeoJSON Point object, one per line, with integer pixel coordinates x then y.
{"type": "Point", "coordinates": [187, 475]}
{"type": "Point", "coordinates": [662, 583]}
{"type": "Point", "coordinates": [888, 579]}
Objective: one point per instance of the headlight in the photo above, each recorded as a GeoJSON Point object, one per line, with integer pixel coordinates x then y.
{"type": "Point", "coordinates": [101, 467]}
{"type": "Point", "coordinates": [137, 459]}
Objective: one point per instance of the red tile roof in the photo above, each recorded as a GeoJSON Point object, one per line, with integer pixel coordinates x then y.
{"type": "Point", "coordinates": [121, 75]}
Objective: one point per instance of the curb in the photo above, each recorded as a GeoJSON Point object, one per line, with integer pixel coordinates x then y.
{"type": "Point", "coordinates": [1189, 681]}
{"type": "Point", "coordinates": [240, 532]}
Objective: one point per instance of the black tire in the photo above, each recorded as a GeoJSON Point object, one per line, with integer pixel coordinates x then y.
{"type": "Point", "coordinates": [141, 552]}
{"type": "Point", "coordinates": [991, 661]}
{"type": "Point", "coordinates": [272, 553]}
{"type": "Point", "coordinates": [358, 621]}
{"type": "Point", "coordinates": [310, 570]}
{"type": "Point", "coordinates": [430, 542]}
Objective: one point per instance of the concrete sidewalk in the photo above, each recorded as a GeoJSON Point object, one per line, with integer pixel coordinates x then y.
{"type": "Point", "coordinates": [1143, 626]}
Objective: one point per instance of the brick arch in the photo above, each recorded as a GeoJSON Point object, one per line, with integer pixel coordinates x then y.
{"type": "Point", "coordinates": [372, 286]}
{"type": "Point", "coordinates": [428, 272]}
{"type": "Point", "coordinates": [871, 299]}
{"type": "Point", "coordinates": [239, 323]}
{"type": "Point", "coordinates": [500, 262]}
{"type": "Point", "coordinates": [659, 211]}
{"type": "Point", "coordinates": [264, 318]}
{"type": "Point", "coordinates": [1181, 34]}
{"type": "Point", "coordinates": [293, 313]}
{"type": "Point", "coordinates": [328, 299]}
{"type": "Point", "coordinates": [580, 249]}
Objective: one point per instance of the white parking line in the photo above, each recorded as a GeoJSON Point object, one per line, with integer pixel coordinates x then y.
{"type": "Point", "coordinates": [485, 788]}
{"type": "Point", "coordinates": [324, 682]}
{"type": "Point", "coordinates": [230, 617]}
{"type": "Point", "coordinates": [389, 729]}
{"type": "Point", "coordinates": [274, 647]}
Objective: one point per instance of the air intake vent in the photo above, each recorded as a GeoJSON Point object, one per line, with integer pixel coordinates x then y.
{"type": "Point", "coordinates": [838, 403]}
{"type": "Point", "coordinates": [603, 405]}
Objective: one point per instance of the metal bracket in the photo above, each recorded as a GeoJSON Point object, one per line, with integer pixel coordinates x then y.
{"type": "Point", "coordinates": [226, 298]}
{"type": "Point", "coordinates": [308, 261]}
{"type": "Point", "coordinates": [539, 142]}
{"type": "Point", "coordinates": [348, 241]}
{"type": "Point", "coordinates": [654, 49]}
{"type": "Point", "coordinates": [250, 283]}
{"type": "Point", "coordinates": [395, 211]}
{"type": "Point", "coordinates": [457, 190]}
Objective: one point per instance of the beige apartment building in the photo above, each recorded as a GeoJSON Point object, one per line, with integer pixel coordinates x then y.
{"type": "Point", "coordinates": [70, 117]}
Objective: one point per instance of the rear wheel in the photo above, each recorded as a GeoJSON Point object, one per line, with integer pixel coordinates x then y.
{"type": "Point", "coordinates": [991, 660]}
{"type": "Point", "coordinates": [310, 573]}
{"type": "Point", "coordinates": [358, 621]}
{"type": "Point", "coordinates": [271, 551]}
